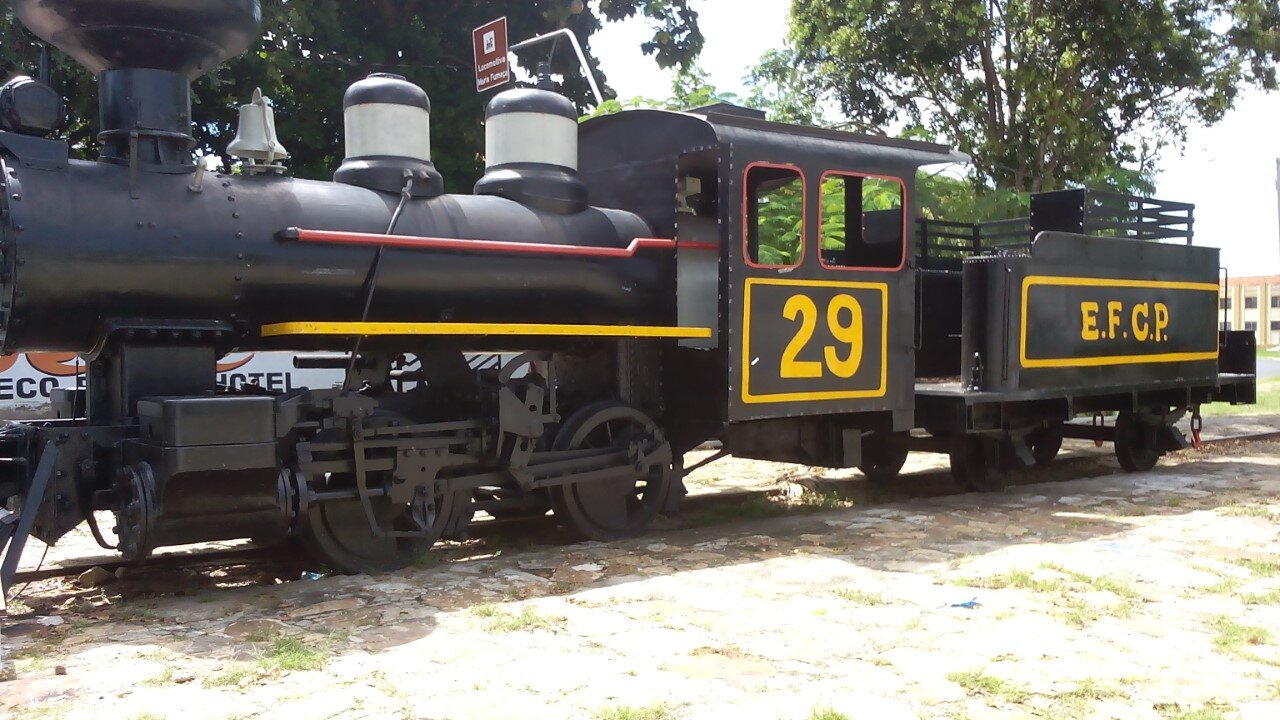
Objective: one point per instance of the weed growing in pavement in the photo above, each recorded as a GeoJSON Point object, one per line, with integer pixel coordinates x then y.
{"type": "Point", "coordinates": [291, 653]}
{"type": "Point", "coordinates": [1234, 638]}
{"type": "Point", "coordinates": [43, 711]}
{"type": "Point", "coordinates": [165, 677]}
{"type": "Point", "coordinates": [231, 677]}
{"type": "Point", "coordinates": [1254, 511]}
{"type": "Point", "coordinates": [827, 713]}
{"type": "Point", "coordinates": [1266, 567]}
{"type": "Point", "coordinates": [655, 711]}
{"type": "Point", "coordinates": [1204, 713]}
{"type": "Point", "coordinates": [859, 597]}
{"type": "Point", "coordinates": [977, 682]}
{"type": "Point", "coordinates": [1074, 611]}
{"type": "Point", "coordinates": [527, 619]}
{"type": "Point", "coordinates": [1074, 704]}
{"type": "Point", "coordinates": [1271, 597]}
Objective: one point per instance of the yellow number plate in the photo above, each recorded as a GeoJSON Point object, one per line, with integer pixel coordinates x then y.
{"type": "Point", "coordinates": [814, 340]}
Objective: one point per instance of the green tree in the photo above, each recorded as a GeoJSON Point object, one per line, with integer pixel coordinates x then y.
{"type": "Point", "coordinates": [1040, 92]}
{"type": "Point", "coordinates": [311, 50]}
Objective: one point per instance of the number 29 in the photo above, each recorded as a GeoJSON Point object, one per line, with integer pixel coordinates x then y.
{"type": "Point", "coordinates": [844, 322]}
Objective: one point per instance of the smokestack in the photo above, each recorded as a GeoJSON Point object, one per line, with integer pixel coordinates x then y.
{"type": "Point", "coordinates": [145, 54]}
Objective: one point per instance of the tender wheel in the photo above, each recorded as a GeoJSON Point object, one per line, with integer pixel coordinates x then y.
{"type": "Point", "coordinates": [610, 509]}
{"type": "Point", "coordinates": [1137, 443]}
{"type": "Point", "coordinates": [1045, 443]}
{"type": "Point", "coordinates": [337, 533]}
{"type": "Point", "coordinates": [883, 457]}
{"type": "Point", "coordinates": [975, 464]}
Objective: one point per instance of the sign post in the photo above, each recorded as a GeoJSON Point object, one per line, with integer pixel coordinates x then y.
{"type": "Point", "coordinates": [489, 42]}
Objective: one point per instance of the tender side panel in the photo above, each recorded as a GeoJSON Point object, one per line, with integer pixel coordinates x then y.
{"type": "Point", "coordinates": [1083, 315]}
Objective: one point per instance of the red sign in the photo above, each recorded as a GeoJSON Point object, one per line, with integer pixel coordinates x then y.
{"type": "Point", "coordinates": [489, 42]}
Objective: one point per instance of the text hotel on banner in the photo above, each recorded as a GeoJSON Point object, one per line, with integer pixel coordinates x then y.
{"type": "Point", "coordinates": [489, 42]}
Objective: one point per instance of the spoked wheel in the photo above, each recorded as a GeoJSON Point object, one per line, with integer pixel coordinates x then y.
{"type": "Point", "coordinates": [617, 508]}
{"type": "Point", "coordinates": [337, 533]}
{"type": "Point", "coordinates": [1045, 443]}
{"type": "Point", "coordinates": [1137, 443]}
{"type": "Point", "coordinates": [975, 463]}
{"type": "Point", "coordinates": [882, 457]}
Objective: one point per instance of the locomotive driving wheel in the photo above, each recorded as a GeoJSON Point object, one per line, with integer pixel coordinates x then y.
{"type": "Point", "coordinates": [614, 508]}
{"type": "Point", "coordinates": [338, 533]}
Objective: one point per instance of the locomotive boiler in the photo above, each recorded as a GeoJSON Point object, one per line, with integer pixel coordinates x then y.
{"type": "Point", "coordinates": [152, 267]}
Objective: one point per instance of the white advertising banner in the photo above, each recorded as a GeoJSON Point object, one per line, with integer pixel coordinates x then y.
{"type": "Point", "coordinates": [27, 381]}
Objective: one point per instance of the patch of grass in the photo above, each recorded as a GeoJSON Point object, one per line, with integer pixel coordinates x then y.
{"type": "Point", "coordinates": [1074, 704]}
{"type": "Point", "coordinates": [1235, 638]}
{"type": "Point", "coordinates": [818, 500]}
{"type": "Point", "coordinates": [291, 653]}
{"type": "Point", "coordinates": [229, 678]}
{"type": "Point", "coordinates": [1268, 402]}
{"type": "Point", "coordinates": [753, 507]}
{"type": "Point", "coordinates": [1253, 511]}
{"type": "Point", "coordinates": [827, 713]}
{"type": "Point", "coordinates": [165, 677]}
{"type": "Point", "coordinates": [1266, 567]}
{"type": "Point", "coordinates": [43, 711]}
{"type": "Point", "coordinates": [859, 597]}
{"type": "Point", "coordinates": [977, 682]}
{"type": "Point", "coordinates": [527, 619]}
{"type": "Point", "coordinates": [1020, 579]}
{"type": "Point", "coordinates": [1204, 713]}
{"type": "Point", "coordinates": [1271, 597]}
{"type": "Point", "coordinates": [1097, 582]}
{"type": "Point", "coordinates": [654, 711]}
{"type": "Point", "coordinates": [1224, 586]}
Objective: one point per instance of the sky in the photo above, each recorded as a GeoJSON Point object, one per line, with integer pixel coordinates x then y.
{"type": "Point", "coordinates": [1228, 170]}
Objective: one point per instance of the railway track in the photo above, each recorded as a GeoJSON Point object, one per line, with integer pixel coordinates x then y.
{"type": "Point", "coordinates": [540, 529]}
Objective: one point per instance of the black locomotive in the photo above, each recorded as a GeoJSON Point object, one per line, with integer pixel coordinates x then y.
{"type": "Point", "coordinates": [660, 278]}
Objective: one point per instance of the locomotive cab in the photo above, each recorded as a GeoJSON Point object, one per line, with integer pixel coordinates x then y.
{"type": "Point", "coordinates": [813, 296]}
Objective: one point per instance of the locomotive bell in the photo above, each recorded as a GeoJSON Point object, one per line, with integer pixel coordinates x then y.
{"type": "Point", "coordinates": [256, 139]}
{"type": "Point", "coordinates": [388, 137]}
{"type": "Point", "coordinates": [531, 151]}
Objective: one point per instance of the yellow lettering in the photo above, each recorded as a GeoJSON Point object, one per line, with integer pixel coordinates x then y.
{"type": "Point", "coordinates": [1162, 322]}
{"type": "Point", "coordinates": [1089, 321]}
{"type": "Point", "coordinates": [849, 333]}
{"type": "Point", "coordinates": [1141, 328]}
{"type": "Point", "coordinates": [807, 310]}
{"type": "Point", "coordinates": [1113, 317]}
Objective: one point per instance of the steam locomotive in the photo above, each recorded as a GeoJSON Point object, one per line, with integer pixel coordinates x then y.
{"type": "Point", "coordinates": [657, 279]}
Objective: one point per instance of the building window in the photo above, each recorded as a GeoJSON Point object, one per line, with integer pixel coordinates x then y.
{"type": "Point", "coordinates": [1275, 301]}
{"type": "Point", "coordinates": [1251, 303]}
{"type": "Point", "coordinates": [1275, 325]}
{"type": "Point", "coordinates": [862, 220]}
{"type": "Point", "coordinates": [775, 216]}
{"type": "Point", "coordinates": [1250, 325]}
{"type": "Point", "coordinates": [1225, 327]}
{"type": "Point", "coordinates": [1224, 303]}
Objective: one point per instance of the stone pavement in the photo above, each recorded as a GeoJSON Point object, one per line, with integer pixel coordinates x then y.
{"type": "Point", "coordinates": [1124, 596]}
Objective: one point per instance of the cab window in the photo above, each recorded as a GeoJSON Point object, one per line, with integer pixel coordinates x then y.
{"type": "Point", "coordinates": [862, 223]}
{"type": "Point", "coordinates": [775, 216]}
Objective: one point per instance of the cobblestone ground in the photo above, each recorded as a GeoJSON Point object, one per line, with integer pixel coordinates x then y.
{"type": "Point", "coordinates": [1152, 595]}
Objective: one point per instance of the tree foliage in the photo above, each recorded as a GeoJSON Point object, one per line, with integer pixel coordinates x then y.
{"type": "Point", "coordinates": [1040, 92]}
{"type": "Point", "coordinates": [311, 50]}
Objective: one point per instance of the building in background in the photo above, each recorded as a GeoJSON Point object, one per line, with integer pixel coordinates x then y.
{"type": "Point", "coordinates": [1253, 303]}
